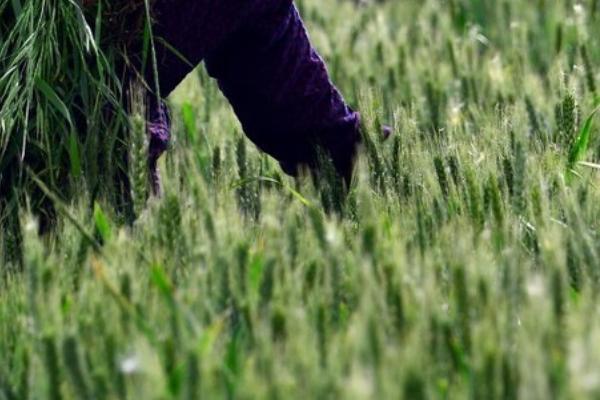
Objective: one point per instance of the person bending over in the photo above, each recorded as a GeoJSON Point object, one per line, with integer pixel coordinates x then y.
{"type": "Point", "coordinates": [261, 56]}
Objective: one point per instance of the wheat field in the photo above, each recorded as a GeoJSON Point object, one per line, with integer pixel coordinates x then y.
{"type": "Point", "coordinates": [464, 262]}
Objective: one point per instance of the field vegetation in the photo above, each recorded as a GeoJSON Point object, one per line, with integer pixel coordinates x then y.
{"type": "Point", "coordinates": [464, 263]}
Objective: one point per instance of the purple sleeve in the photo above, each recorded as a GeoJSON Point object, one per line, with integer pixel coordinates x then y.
{"type": "Point", "coordinates": [277, 84]}
{"type": "Point", "coordinates": [159, 131]}
{"type": "Point", "coordinates": [280, 89]}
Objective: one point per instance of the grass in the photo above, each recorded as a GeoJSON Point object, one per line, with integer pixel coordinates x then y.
{"type": "Point", "coordinates": [464, 263]}
{"type": "Point", "coordinates": [63, 118]}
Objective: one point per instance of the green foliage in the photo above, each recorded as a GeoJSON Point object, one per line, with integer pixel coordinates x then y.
{"type": "Point", "coordinates": [61, 115]}
{"type": "Point", "coordinates": [581, 143]}
{"type": "Point", "coordinates": [463, 262]}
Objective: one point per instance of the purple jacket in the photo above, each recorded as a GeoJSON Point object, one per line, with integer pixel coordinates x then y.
{"type": "Point", "coordinates": [261, 56]}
